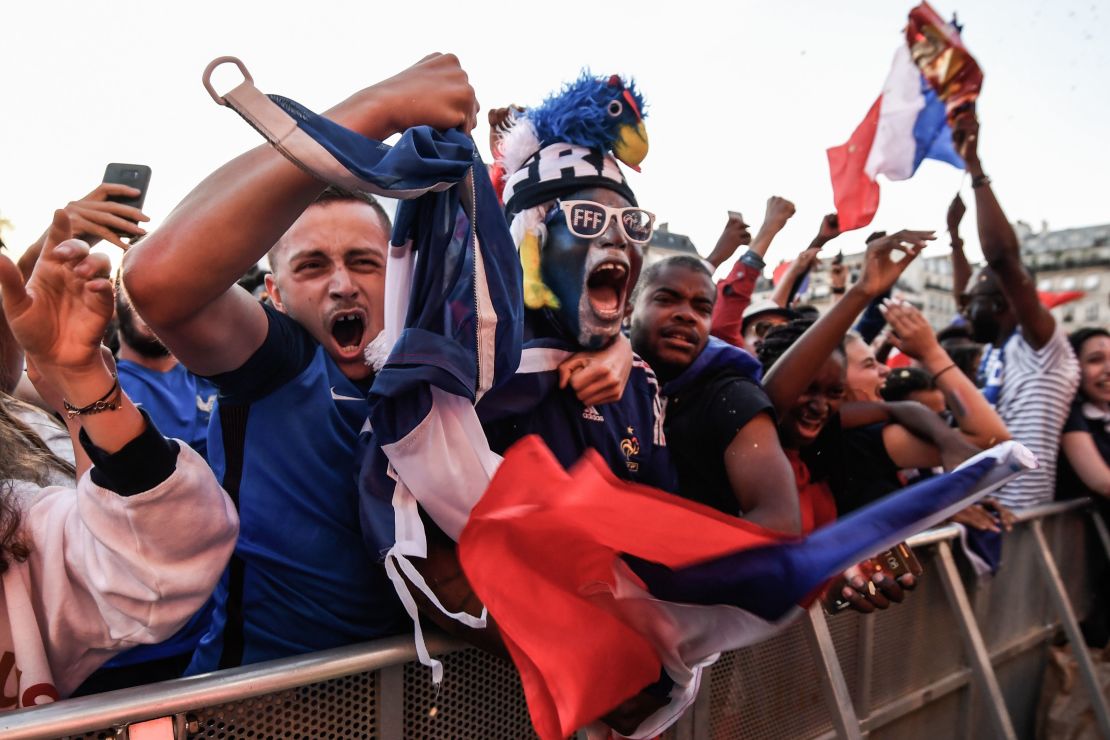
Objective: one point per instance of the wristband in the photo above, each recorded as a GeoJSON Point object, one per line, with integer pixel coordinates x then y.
{"type": "Point", "coordinates": [840, 290]}
{"type": "Point", "coordinates": [752, 259]}
{"type": "Point", "coordinates": [942, 372]}
{"type": "Point", "coordinates": [108, 402]}
{"type": "Point", "coordinates": [980, 181]}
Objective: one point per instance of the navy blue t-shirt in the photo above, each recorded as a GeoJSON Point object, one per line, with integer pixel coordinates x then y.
{"type": "Point", "coordinates": [307, 580]}
{"type": "Point", "coordinates": [627, 434]}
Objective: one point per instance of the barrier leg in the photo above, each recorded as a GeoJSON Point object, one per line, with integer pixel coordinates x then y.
{"type": "Point", "coordinates": [1059, 598]}
{"type": "Point", "coordinates": [1100, 527]}
{"type": "Point", "coordinates": [391, 702]}
{"type": "Point", "coordinates": [865, 660]}
{"type": "Point", "coordinates": [833, 685]}
{"type": "Point", "coordinates": [981, 669]}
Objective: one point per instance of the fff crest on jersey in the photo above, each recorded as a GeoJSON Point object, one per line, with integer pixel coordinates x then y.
{"type": "Point", "coordinates": [630, 447]}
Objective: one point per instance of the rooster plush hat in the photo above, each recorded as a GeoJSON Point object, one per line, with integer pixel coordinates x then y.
{"type": "Point", "coordinates": [562, 146]}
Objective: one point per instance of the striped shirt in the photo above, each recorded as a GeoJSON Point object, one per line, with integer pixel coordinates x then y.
{"type": "Point", "coordinates": [1036, 394]}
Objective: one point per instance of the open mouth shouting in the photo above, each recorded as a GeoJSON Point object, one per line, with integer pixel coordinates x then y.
{"type": "Point", "coordinates": [348, 328]}
{"type": "Point", "coordinates": [808, 424]}
{"type": "Point", "coordinates": [605, 288]}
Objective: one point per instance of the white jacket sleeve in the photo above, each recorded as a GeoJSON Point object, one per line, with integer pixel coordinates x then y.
{"type": "Point", "coordinates": [108, 572]}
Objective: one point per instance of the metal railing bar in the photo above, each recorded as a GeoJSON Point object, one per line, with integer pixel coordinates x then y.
{"type": "Point", "coordinates": [1059, 595]}
{"type": "Point", "coordinates": [976, 649]}
{"type": "Point", "coordinates": [934, 535]}
{"type": "Point", "coordinates": [915, 700]}
{"type": "Point", "coordinates": [89, 713]}
{"type": "Point", "coordinates": [865, 657]}
{"type": "Point", "coordinates": [833, 686]}
{"type": "Point", "coordinates": [1055, 508]}
{"type": "Point", "coordinates": [1100, 527]}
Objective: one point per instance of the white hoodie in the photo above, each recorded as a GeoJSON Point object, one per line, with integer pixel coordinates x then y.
{"type": "Point", "coordinates": [107, 572]}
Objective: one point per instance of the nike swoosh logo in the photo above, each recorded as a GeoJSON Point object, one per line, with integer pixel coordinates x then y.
{"type": "Point", "coordinates": [337, 397]}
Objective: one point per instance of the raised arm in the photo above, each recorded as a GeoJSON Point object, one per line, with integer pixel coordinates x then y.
{"type": "Point", "coordinates": [791, 283]}
{"type": "Point", "coordinates": [182, 277]}
{"type": "Point", "coordinates": [59, 319]}
{"type": "Point", "coordinates": [999, 242]}
{"type": "Point", "coordinates": [794, 371]}
{"type": "Point", "coordinates": [976, 418]}
{"type": "Point", "coordinates": [734, 235]}
{"type": "Point", "coordinates": [734, 293]}
{"type": "Point", "coordinates": [961, 268]}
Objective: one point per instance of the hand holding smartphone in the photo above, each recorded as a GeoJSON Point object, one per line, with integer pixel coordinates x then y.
{"type": "Point", "coordinates": [897, 561]}
{"type": "Point", "coordinates": [113, 210]}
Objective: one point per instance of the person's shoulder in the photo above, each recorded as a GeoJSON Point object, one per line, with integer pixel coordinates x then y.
{"type": "Point", "coordinates": [1056, 351]}
{"type": "Point", "coordinates": [129, 369]}
{"type": "Point", "coordinates": [285, 353]}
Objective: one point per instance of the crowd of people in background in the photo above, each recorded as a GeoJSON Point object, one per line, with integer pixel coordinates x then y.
{"type": "Point", "coordinates": [241, 535]}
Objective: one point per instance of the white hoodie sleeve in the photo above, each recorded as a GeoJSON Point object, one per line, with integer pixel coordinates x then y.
{"type": "Point", "coordinates": [107, 572]}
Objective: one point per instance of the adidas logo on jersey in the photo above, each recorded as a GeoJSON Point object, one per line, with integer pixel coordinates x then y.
{"type": "Point", "coordinates": [590, 413]}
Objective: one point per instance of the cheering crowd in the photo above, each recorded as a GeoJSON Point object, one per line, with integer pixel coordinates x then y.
{"type": "Point", "coordinates": [213, 495]}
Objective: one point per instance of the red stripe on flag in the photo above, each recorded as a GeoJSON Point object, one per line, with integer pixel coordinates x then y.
{"type": "Point", "coordinates": [856, 195]}
{"type": "Point", "coordinates": [540, 549]}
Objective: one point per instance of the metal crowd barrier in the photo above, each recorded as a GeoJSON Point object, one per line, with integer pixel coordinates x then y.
{"type": "Point", "coordinates": [951, 661]}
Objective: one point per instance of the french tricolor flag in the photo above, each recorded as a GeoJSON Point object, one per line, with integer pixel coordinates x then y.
{"type": "Point", "coordinates": [905, 125]}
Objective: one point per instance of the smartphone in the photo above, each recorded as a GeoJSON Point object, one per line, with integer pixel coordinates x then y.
{"type": "Point", "coordinates": [895, 562]}
{"type": "Point", "coordinates": [135, 175]}
{"type": "Point", "coordinates": [735, 214]}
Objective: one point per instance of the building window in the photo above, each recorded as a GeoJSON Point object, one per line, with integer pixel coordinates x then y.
{"type": "Point", "coordinates": [1090, 282]}
{"type": "Point", "coordinates": [1044, 284]}
{"type": "Point", "coordinates": [1068, 283]}
{"type": "Point", "coordinates": [1091, 314]}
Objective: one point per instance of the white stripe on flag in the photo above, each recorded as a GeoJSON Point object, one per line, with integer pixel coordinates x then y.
{"type": "Point", "coordinates": [892, 152]}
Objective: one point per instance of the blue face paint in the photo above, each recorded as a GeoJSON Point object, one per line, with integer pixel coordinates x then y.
{"type": "Point", "coordinates": [591, 277]}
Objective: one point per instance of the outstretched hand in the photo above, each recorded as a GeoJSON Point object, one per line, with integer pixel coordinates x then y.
{"type": "Point", "coordinates": [912, 334]}
{"type": "Point", "coordinates": [880, 270]}
{"type": "Point", "coordinates": [60, 315]}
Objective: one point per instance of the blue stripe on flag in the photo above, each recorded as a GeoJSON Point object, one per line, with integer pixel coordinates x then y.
{"type": "Point", "coordinates": [931, 133]}
{"type": "Point", "coordinates": [769, 581]}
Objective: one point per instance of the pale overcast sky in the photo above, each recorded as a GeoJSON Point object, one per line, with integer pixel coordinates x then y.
{"type": "Point", "coordinates": [743, 98]}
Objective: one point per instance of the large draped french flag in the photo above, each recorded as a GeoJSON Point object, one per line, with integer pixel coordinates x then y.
{"type": "Point", "coordinates": [599, 587]}
{"type": "Point", "coordinates": [931, 75]}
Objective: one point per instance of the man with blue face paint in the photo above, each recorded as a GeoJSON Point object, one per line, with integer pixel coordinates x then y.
{"type": "Point", "coordinates": [581, 234]}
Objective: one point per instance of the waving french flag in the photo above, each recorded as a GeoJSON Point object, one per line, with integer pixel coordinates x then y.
{"type": "Point", "coordinates": [907, 124]}
{"type": "Point", "coordinates": [596, 584]}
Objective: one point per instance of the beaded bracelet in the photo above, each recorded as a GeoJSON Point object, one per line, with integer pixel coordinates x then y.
{"type": "Point", "coordinates": [110, 401]}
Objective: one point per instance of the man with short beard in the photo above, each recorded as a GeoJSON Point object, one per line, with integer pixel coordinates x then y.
{"type": "Point", "coordinates": [179, 401]}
